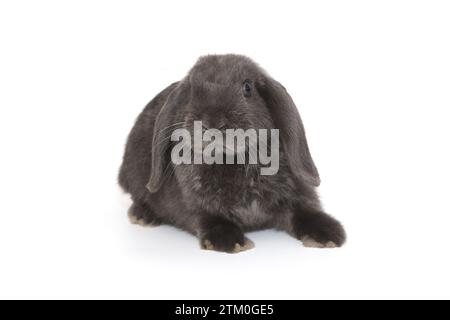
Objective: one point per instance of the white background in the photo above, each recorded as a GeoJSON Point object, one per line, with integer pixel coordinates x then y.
{"type": "Point", "coordinates": [371, 80]}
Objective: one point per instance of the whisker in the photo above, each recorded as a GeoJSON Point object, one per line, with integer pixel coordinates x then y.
{"type": "Point", "coordinates": [163, 139]}
{"type": "Point", "coordinates": [169, 127]}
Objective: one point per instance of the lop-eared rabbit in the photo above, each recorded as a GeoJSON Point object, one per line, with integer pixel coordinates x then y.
{"type": "Point", "coordinates": [219, 203]}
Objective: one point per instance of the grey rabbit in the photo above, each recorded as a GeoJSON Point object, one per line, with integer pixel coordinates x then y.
{"type": "Point", "coordinates": [219, 203]}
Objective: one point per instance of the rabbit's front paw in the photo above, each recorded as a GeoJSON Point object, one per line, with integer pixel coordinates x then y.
{"type": "Point", "coordinates": [139, 214]}
{"type": "Point", "coordinates": [225, 237]}
{"type": "Point", "coordinates": [229, 248]}
{"type": "Point", "coordinates": [319, 230]}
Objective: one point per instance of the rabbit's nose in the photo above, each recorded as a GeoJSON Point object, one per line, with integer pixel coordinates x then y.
{"type": "Point", "coordinates": [222, 126]}
{"type": "Point", "coordinates": [205, 125]}
{"type": "Point", "coordinates": [214, 124]}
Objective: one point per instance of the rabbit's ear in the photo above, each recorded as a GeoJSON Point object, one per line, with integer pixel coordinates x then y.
{"type": "Point", "coordinates": [292, 133]}
{"type": "Point", "coordinates": [160, 145]}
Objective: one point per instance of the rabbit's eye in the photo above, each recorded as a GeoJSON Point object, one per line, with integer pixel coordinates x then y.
{"type": "Point", "coordinates": [247, 88]}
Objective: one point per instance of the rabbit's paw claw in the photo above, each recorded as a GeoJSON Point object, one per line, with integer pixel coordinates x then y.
{"type": "Point", "coordinates": [142, 221]}
{"type": "Point", "coordinates": [309, 242]}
